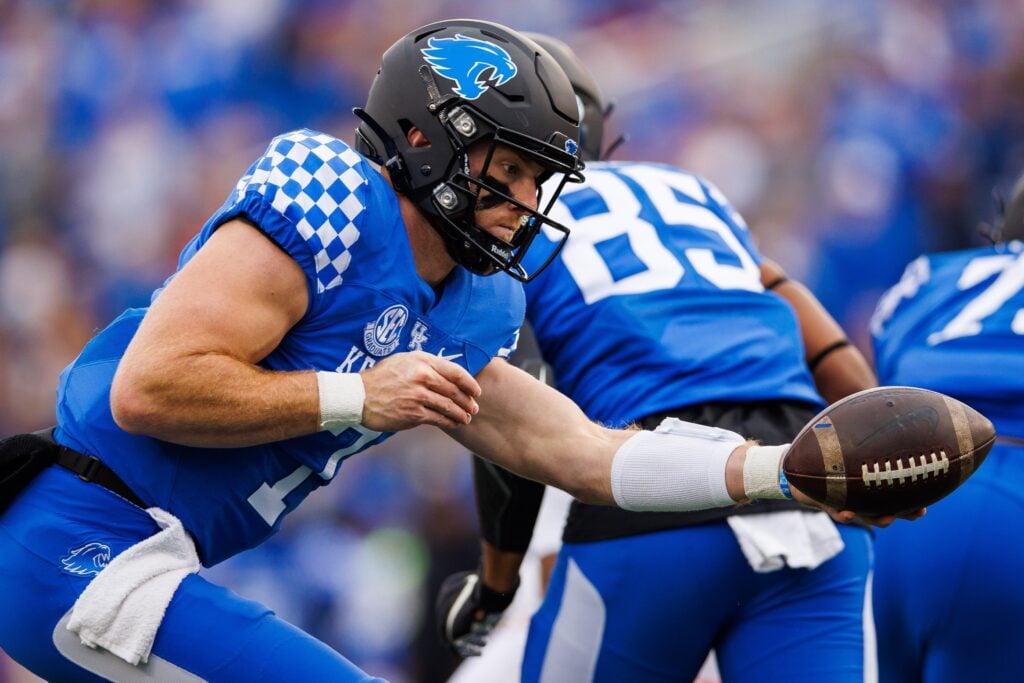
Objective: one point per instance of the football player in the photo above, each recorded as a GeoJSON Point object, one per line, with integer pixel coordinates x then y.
{"type": "Point", "coordinates": [947, 597]}
{"type": "Point", "coordinates": [660, 305]}
{"type": "Point", "coordinates": [327, 304]}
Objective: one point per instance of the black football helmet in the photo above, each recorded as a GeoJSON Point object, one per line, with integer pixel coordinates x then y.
{"type": "Point", "coordinates": [461, 82]}
{"type": "Point", "coordinates": [592, 106]}
{"type": "Point", "coordinates": [589, 100]}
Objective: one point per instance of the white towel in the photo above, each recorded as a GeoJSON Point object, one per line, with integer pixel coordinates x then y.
{"type": "Point", "coordinates": [122, 607]}
{"type": "Point", "coordinates": [792, 538]}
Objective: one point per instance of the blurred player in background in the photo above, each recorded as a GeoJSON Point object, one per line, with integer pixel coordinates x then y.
{"type": "Point", "coordinates": [660, 306]}
{"type": "Point", "coordinates": [324, 306]}
{"type": "Point", "coordinates": [947, 596]}
{"type": "Point", "coordinates": [502, 657]}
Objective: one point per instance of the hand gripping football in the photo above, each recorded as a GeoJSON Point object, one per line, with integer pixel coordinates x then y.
{"type": "Point", "coordinates": [888, 450]}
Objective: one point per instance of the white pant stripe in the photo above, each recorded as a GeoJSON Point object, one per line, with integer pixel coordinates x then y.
{"type": "Point", "coordinates": [870, 640]}
{"type": "Point", "coordinates": [576, 635]}
{"type": "Point", "coordinates": [112, 667]}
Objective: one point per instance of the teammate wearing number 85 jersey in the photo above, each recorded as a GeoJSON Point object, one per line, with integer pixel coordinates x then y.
{"type": "Point", "coordinates": [659, 305]}
{"type": "Point", "coordinates": [948, 598]}
{"type": "Point", "coordinates": [666, 273]}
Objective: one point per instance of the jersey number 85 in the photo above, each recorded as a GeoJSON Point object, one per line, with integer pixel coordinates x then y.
{"type": "Point", "coordinates": [662, 267]}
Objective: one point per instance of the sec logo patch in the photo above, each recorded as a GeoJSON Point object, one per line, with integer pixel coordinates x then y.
{"type": "Point", "coordinates": [381, 337]}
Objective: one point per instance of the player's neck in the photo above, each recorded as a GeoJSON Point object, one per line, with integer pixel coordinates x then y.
{"type": "Point", "coordinates": [433, 264]}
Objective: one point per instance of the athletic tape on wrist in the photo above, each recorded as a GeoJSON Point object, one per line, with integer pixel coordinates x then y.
{"type": "Point", "coordinates": [679, 467]}
{"type": "Point", "coordinates": [761, 473]}
{"type": "Point", "coordinates": [341, 399]}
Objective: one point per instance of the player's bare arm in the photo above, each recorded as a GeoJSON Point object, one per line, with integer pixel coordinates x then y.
{"type": "Point", "coordinates": [839, 368]}
{"type": "Point", "coordinates": [190, 375]}
{"type": "Point", "coordinates": [522, 422]}
{"type": "Point", "coordinates": [499, 569]}
{"type": "Point", "coordinates": [529, 428]}
{"type": "Point", "coordinates": [533, 430]}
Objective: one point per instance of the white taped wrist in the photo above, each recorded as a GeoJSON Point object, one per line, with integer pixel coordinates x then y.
{"type": "Point", "coordinates": [761, 473]}
{"type": "Point", "coordinates": [678, 467]}
{"type": "Point", "coordinates": [341, 399]}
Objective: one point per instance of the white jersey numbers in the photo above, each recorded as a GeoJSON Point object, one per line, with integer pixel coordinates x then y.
{"type": "Point", "coordinates": [1010, 280]}
{"type": "Point", "coordinates": [268, 500]}
{"type": "Point", "coordinates": [1006, 272]}
{"type": "Point", "coordinates": [621, 234]}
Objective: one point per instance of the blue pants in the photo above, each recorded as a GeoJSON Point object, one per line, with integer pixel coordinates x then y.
{"type": "Point", "coordinates": [650, 607]}
{"type": "Point", "coordinates": [948, 598]}
{"type": "Point", "coordinates": [208, 632]}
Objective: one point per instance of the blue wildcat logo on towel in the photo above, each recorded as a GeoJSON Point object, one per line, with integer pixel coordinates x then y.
{"type": "Point", "coordinates": [473, 64]}
{"type": "Point", "coordinates": [86, 560]}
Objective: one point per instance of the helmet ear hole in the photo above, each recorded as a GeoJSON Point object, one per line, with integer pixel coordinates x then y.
{"type": "Point", "coordinates": [415, 136]}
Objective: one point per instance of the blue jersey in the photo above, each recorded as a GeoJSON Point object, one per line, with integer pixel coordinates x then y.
{"type": "Point", "coordinates": [331, 211]}
{"type": "Point", "coordinates": [954, 324]}
{"type": "Point", "coordinates": [656, 301]}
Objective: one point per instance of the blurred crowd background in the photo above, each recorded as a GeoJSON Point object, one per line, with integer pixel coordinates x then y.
{"type": "Point", "coordinates": [852, 136]}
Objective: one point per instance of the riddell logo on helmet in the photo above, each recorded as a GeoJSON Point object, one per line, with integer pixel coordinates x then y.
{"type": "Point", "coordinates": [474, 65]}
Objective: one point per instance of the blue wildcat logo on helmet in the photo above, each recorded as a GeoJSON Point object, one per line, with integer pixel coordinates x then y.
{"type": "Point", "coordinates": [465, 61]}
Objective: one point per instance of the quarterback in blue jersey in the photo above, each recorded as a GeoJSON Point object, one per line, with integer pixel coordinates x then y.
{"type": "Point", "coordinates": [659, 305]}
{"type": "Point", "coordinates": [339, 295]}
{"type": "Point", "coordinates": [947, 597]}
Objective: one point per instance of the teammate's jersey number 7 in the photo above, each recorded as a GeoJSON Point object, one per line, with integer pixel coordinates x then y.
{"type": "Point", "coordinates": [1008, 270]}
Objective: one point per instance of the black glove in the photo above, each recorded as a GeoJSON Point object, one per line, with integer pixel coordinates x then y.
{"type": "Point", "coordinates": [467, 610]}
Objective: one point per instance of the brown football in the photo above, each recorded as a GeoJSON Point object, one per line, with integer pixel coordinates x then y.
{"type": "Point", "coordinates": [888, 450]}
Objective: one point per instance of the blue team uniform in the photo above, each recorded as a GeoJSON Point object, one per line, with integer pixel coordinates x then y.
{"type": "Point", "coordinates": [947, 594]}
{"type": "Point", "coordinates": [655, 306]}
{"type": "Point", "coordinates": [675, 284]}
{"type": "Point", "coordinates": [331, 211]}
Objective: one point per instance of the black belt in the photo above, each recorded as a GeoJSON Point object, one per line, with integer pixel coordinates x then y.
{"type": "Point", "coordinates": [91, 469]}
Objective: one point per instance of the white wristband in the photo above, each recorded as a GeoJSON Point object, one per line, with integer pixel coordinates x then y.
{"type": "Point", "coordinates": [341, 399]}
{"type": "Point", "coordinates": [678, 467]}
{"type": "Point", "coordinates": [761, 473]}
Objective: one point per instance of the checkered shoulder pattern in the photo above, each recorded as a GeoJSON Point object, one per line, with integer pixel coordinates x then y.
{"type": "Point", "coordinates": [311, 179]}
